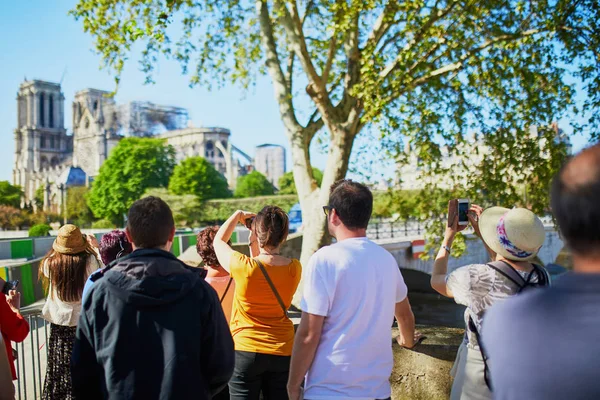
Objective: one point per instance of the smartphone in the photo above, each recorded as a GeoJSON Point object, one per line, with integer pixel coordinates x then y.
{"type": "Point", "coordinates": [9, 285]}
{"type": "Point", "coordinates": [463, 211]}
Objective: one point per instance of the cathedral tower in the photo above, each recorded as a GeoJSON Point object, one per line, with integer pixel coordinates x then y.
{"type": "Point", "coordinates": [41, 142]}
{"type": "Point", "coordinates": [95, 124]}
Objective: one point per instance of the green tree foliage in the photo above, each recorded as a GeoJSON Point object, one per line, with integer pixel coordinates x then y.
{"type": "Point", "coordinates": [288, 186]}
{"type": "Point", "coordinates": [133, 166]}
{"type": "Point", "coordinates": [197, 176]}
{"type": "Point", "coordinates": [38, 198]}
{"type": "Point", "coordinates": [186, 208]}
{"type": "Point", "coordinates": [509, 168]}
{"type": "Point", "coordinates": [10, 195]}
{"type": "Point", "coordinates": [78, 210]}
{"type": "Point", "coordinates": [397, 204]}
{"type": "Point", "coordinates": [103, 224]}
{"type": "Point", "coordinates": [39, 230]}
{"type": "Point", "coordinates": [12, 217]}
{"type": "Point", "coordinates": [420, 72]}
{"type": "Point", "coordinates": [252, 185]}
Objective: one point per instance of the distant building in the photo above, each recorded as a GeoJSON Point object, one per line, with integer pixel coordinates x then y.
{"type": "Point", "coordinates": [269, 160]}
{"type": "Point", "coordinates": [410, 175]}
{"type": "Point", "coordinates": [45, 155]}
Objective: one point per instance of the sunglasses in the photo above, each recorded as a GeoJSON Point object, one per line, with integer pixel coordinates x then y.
{"type": "Point", "coordinates": [120, 253]}
{"type": "Point", "coordinates": [327, 210]}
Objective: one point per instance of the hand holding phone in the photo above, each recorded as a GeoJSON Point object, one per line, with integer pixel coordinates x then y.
{"type": "Point", "coordinates": [9, 285]}
{"type": "Point", "coordinates": [14, 300]}
{"type": "Point", "coordinates": [456, 207]}
{"type": "Point", "coordinates": [463, 212]}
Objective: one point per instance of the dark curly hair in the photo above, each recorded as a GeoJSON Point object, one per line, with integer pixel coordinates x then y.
{"type": "Point", "coordinates": [204, 246]}
{"type": "Point", "coordinates": [114, 245]}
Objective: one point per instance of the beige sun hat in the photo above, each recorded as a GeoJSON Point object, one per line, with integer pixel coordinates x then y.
{"type": "Point", "coordinates": [516, 234]}
{"type": "Point", "coordinates": [70, 240]}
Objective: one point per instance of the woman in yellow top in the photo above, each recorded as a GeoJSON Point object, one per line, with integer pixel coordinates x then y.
{"type": "Point", "coordinates": [262, 332]}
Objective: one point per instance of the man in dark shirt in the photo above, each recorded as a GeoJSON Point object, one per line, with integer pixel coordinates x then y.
{"type": "Point", "coordinates": [151, 327]}
{"type": "Point", "coordinates": [544, 344]}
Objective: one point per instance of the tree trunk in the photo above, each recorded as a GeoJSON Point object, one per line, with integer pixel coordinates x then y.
{"type": "Point", "coordinates": [313, 198]}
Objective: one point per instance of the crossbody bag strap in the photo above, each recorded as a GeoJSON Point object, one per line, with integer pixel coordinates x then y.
{"type": "Point", "coordinates": [226, 290]}
{"type": "Point", "coordinates": [270, 282]}
{"type": "Point", "coordinates": [542, 274]}
{"type": "Point", "coordinates": [486, 369]}
{"type": "Point", "coordinates": [508, 271]}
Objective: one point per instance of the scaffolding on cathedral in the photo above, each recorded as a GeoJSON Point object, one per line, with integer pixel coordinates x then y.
{"type": "Point", "coordinates": [143, 118]}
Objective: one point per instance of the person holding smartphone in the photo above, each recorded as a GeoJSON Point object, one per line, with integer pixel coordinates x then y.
{"type": "Point", "coordinates": [265, 284]}
{"type": "Point", "coordinates": [13, 326]}
{"type": "Point", "coordinates": [512, 238]}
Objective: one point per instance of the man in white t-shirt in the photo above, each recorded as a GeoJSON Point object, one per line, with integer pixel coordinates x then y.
{"type": "Point", "coordinates": [352, 290]}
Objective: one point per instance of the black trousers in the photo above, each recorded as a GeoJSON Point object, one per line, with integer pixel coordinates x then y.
{"type": "Point", "coordinates": [256, 372]}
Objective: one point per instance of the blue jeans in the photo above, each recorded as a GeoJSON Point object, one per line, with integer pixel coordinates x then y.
{"type": "Point", "coordinates": [256, 372]}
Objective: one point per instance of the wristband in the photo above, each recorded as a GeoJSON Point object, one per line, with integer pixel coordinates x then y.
{"type": "Point", "coordinates": [448, 249]}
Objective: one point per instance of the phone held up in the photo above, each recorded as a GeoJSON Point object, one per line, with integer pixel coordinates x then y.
{"type": "Point", "coordinates": [9, 285]}
{"type": "Point", "coordinates": [463, 212]}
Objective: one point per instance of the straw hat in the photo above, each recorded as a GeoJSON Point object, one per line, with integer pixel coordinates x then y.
{"type": "Point", "coordinates": [70, 240]}
{"type": "Point", "coordinates": [516, 234]}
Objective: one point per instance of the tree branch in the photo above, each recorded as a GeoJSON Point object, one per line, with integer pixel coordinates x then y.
{"type": "Point", "coordinates": [313, 126]}
{"type": "Point", "coordinates": [418, 37]}
{"type": "Point", "coordinates": [330, 56]}
{"type": "Point", "coordinates": [293, 27]}
{"type": "Point", "coordinates": [289, 76]}
{"type": "Point", "coordinates": [282, 90]}
{"type": "Point", "coordinates": [382, 24]}
{"type": "Point", "coordinates": [307, 10]}
{"type": "Point", "coordinates": [460, 64]}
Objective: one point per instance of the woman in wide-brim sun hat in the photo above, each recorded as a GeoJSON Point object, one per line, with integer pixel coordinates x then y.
{"type": "Point", "coordinates": [512, 237]}
{"type": "Point", "coordinates": [516, 234]}
{"type": "Point", "coordinates": [63, 272]}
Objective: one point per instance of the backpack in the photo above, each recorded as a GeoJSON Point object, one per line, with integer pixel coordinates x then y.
{"type": "Point", "coordinates": [504, 268]}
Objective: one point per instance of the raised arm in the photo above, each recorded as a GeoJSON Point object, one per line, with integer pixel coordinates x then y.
{"type": "Point", "coordinates": [440, 266]}
{"type": "Point", "coordinates": [14, 327]}
{"type": "Point", "coordinates": [222, 249]}
{"type": "Point", "coordinates": [474, 215]}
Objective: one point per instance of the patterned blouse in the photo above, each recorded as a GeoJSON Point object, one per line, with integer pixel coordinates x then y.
{"type": "Point", "coordinates": [478, 287]}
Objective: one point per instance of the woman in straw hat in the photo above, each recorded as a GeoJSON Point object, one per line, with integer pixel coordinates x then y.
{"type": "Point", "coordinates": [64, 270]}
{"type": "Point", "coordinates": [512, 238]}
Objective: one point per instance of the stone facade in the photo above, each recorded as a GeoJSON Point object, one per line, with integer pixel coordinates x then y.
{"type": "Point", "coordinates": [269, 160]}
{"type": "Point", "coordinates": [45, 154]}
{"type": "Point", "coordinates": [42, 146]}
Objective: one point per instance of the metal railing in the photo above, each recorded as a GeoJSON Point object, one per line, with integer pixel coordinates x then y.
{"type": "Point", "coordinates": [32, 355]}
{"type": "Point", "coordinates": [394, 229]}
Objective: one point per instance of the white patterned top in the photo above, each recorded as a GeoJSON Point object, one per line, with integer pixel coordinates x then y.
{"type": "Point", "coordinates": [478, 287]}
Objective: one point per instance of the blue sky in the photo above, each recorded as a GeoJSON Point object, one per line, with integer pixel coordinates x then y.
{"type": "Point", "coordinates": [40, 41]}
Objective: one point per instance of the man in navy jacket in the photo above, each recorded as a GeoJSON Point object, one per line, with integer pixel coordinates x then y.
{"type": "Point", "coordinates": [151, 327]}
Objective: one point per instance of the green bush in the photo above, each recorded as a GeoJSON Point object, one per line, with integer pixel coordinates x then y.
{"type": "Point", "coordinates": [288, 186]}
{"type": "Point", "coordinates": [186, 208]}
{"type": "Point", "coordinates": [399, 204]}
{"type": "Point", "coordinates": [253, 184]}
{"type": "Point", "coordinates": [103, 224]}
{"type": "Point", "coordinates": [40, 230]}
{"type": "Point", "coordinates": [217, 211]}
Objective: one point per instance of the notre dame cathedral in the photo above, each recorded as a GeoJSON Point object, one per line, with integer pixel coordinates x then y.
{"type": "Point", "coordinates": [47, 156]}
